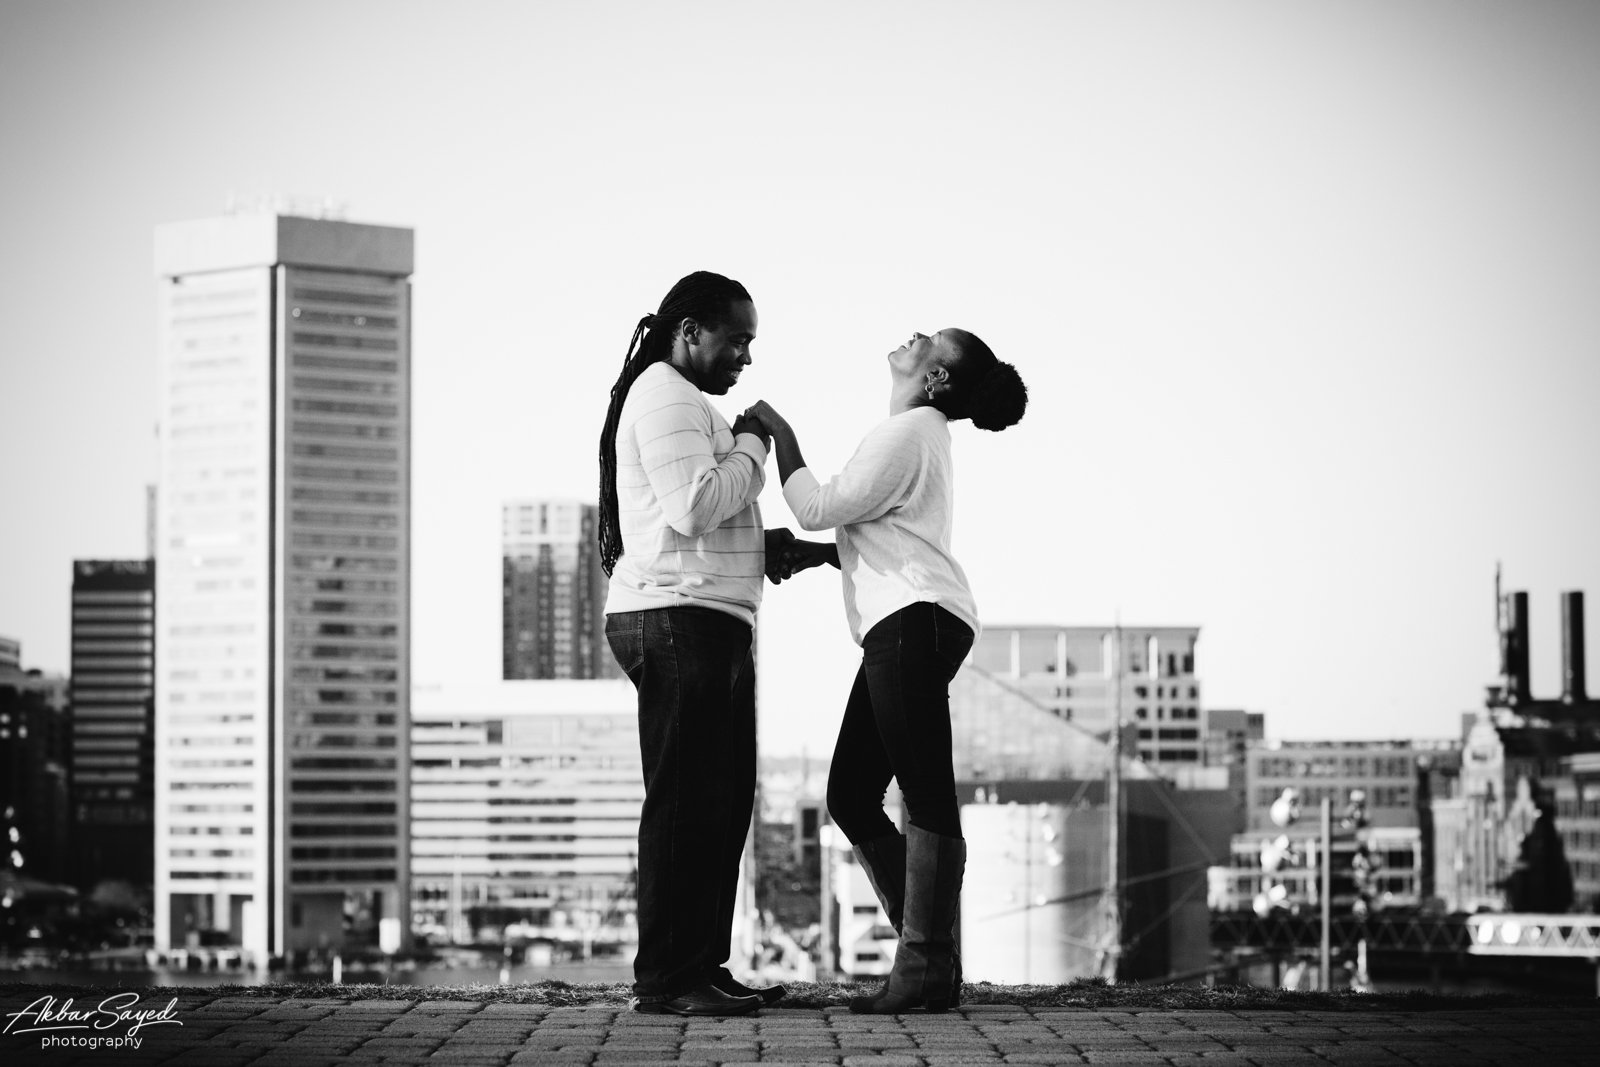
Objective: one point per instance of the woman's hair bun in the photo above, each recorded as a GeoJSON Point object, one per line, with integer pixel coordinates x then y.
{"type": "Point", "coordinates": [998, 398]}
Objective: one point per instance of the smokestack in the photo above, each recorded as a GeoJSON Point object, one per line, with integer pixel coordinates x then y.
{"type": "Point", "coordinates": [1573, 683]}
{"type": "Point", "coordinates": [1516, 638]}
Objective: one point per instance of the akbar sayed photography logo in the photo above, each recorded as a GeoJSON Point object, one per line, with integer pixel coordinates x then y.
{"type": "Point", "coordinates": [114, 1023]}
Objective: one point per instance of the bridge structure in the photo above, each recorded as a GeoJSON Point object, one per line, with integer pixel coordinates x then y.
{"type": "Point", "coordinates": [1284, 934]}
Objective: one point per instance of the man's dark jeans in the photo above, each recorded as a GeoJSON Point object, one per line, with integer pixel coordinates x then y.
{"type": "Point", "coordinates": [897, 725]}
{"type": "Point", "coordinates": [696, 677]}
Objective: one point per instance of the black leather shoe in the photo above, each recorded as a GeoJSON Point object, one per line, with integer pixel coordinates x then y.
{"type": "Point", "coordinates": [734, 988]}
{"type": "Point", "coordinates": [707, 1000]}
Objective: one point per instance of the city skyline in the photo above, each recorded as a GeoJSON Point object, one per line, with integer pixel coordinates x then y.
{"type": "Point", "coordinates": [1303, 296]}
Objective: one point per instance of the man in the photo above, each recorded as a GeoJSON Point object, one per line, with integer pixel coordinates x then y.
{"type": "Point", "coordinates": [681, 538]}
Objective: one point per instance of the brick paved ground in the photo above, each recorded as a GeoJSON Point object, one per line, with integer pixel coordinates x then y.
{"type": "Point", "coordinates": [265, 1031]}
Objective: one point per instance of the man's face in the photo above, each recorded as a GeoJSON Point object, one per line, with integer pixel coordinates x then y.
{"type": "Point", "coordinates": [718, 355]}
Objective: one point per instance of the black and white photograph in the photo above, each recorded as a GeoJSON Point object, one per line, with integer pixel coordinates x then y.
{"type": "Point", "coordinates": [868, 532]}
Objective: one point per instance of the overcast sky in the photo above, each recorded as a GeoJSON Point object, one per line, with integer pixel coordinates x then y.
{"type": "Point", "coordinates": [1305, 293]}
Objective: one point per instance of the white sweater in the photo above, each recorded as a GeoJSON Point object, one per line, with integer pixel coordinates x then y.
{"type": "Point", "coordinates": [892, 505]}
{"type": "Point", "coordinates": [686, 491]}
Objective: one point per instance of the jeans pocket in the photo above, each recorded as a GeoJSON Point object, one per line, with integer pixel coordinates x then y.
{"type": "Point", "coordinates": [952, 641]}
{"type": "Point", "coordinates": [625, 635]}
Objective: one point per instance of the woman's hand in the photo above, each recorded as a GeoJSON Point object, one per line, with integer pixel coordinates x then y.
{"type": "Point", "coordinates": [768, 416]}
{"type": "Point", "coordinates": [746, 424]}
{"type": "Point", "coordinates": [784, 442]}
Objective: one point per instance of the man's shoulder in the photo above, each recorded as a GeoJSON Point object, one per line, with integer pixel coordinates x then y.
{"type": "Point", "coordinates": [659, 386]}
{"type": "Point", "coordinates": [661, 375]}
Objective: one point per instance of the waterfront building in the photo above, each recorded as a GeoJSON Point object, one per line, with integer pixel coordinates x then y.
{"type": "Point", "coordinates": [1068, 671]}
{"type": "Point", "coordinates": [553, 592]}
{"type": "Point", "coordinates": [283, 579]}
{"type": "Point", "coordinates": [1577, 812]}
{"type": "Point", "coordinates": [113, 720]}
{"type": "Point", "coordinates": [1526, 790]}
{"type": "Point", "coordinates": [1384, 772]}
{"type": "Point", "coordinates": [35, 744]}
{"type": "Point", "coordinates": [1386, 781]}
{"type": "Point", "coordinates": [1012, 748]}
{"type": "Point", "coordinates": [525, 811]}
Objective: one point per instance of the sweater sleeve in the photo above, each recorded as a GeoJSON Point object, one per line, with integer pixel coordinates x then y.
{"type": "Point", "coordinates": [675, 436]}
{"type": "Point", "coordinates": [878, 478]}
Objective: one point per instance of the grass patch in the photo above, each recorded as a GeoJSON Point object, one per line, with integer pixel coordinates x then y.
{"type": "Point", "coordinates": [1091, 994]}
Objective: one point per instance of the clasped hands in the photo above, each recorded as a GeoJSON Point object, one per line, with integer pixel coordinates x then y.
{"type": "Point", "coordinates": [787, 555]}
{"type": "Point", "coordinates": [761, 419]}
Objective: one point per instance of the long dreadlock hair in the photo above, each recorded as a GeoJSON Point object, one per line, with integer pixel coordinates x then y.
{"type": "Point", "coordinates": [702, 296]}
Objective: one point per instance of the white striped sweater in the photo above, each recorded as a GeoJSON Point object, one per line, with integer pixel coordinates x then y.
{"type": "Point", "coordinates": [686, 492]}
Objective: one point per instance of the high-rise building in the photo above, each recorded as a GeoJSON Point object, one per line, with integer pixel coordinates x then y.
{"type": "Point", "coordinates": [553, 592]}
{"type": "Point", "coordinates": [283, 575]}
{"type": "Point", "coordinates": [113, 719]}
{"type": "Point", "coordinates": [525, 810]}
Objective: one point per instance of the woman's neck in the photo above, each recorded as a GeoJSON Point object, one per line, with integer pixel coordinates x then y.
{"type": "Point", "coordinates": [909, 398]}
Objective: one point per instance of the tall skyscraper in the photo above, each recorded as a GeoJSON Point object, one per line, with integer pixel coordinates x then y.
{"type": "Point", "coordinates": [553, 592]}
{"type": "Point", "coordinates": [283, 575]}
{"type": "Point", "coordinates": [113, 719]}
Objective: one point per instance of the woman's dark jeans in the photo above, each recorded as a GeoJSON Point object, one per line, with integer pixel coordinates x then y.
{"type": "Point", "coordinates": [696, 677]}
{"type": "Point", "coordinates": [897, 725]}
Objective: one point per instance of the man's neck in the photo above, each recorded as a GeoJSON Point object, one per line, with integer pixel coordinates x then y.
{"type": "Point", "coordinates": [685, 370]}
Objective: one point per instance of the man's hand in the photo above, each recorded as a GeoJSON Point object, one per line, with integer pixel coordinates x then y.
{"type": "Point", "coordinates": [787, 556]}
{"type": "Point", "coordinates": [745, 423]}
{"type": "Point", "coordinates": [778, 541]}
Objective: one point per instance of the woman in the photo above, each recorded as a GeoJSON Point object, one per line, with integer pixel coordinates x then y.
{"type": "Point", "coordinates": [913, 615]}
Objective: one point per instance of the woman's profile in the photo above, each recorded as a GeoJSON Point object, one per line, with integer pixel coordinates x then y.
{"type": "Point", "coordinates": [910, 608]}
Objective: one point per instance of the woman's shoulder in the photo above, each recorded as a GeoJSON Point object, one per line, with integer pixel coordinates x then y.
{"type": "Point", "coordinates": [925, 423]}
{"type": "Point", "coordinates": [908, 433]}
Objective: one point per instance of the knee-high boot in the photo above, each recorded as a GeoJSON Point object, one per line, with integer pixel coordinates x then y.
{"type": "Point", "coordinates": [884, 860]}
{"type": "Point", "coordinates": [924, 961]}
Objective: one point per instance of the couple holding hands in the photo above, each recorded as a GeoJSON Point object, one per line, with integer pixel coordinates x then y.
{"type": "Point", "coordinates": [682, 540]}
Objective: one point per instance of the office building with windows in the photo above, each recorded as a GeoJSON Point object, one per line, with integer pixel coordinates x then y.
{"type": "Point", "coordinates": [283, 578]}
{"type": "Point", "coordinates": [35, 746]}
{"type": "Point", "coordinates": [113, 720]}
{"type": "Point", "coordinates": [553, 592]}
{"type": "Point", "coordinates": [525, 811]}
{"type": "Point", "coordinates": [1072, 673]}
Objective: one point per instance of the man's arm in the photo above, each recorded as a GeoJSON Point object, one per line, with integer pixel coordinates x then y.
{"type": "Point", "coordinates": [697, 494]}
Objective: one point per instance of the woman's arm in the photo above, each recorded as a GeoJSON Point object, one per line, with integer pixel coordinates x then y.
{"type": "Point", "coordinates": [784, 442]}
{"type": "Point", "coordinates": [877, 478]}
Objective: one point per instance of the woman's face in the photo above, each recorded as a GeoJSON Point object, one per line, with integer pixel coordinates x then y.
{"type": "Point", "coordinates": [921, 354]}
